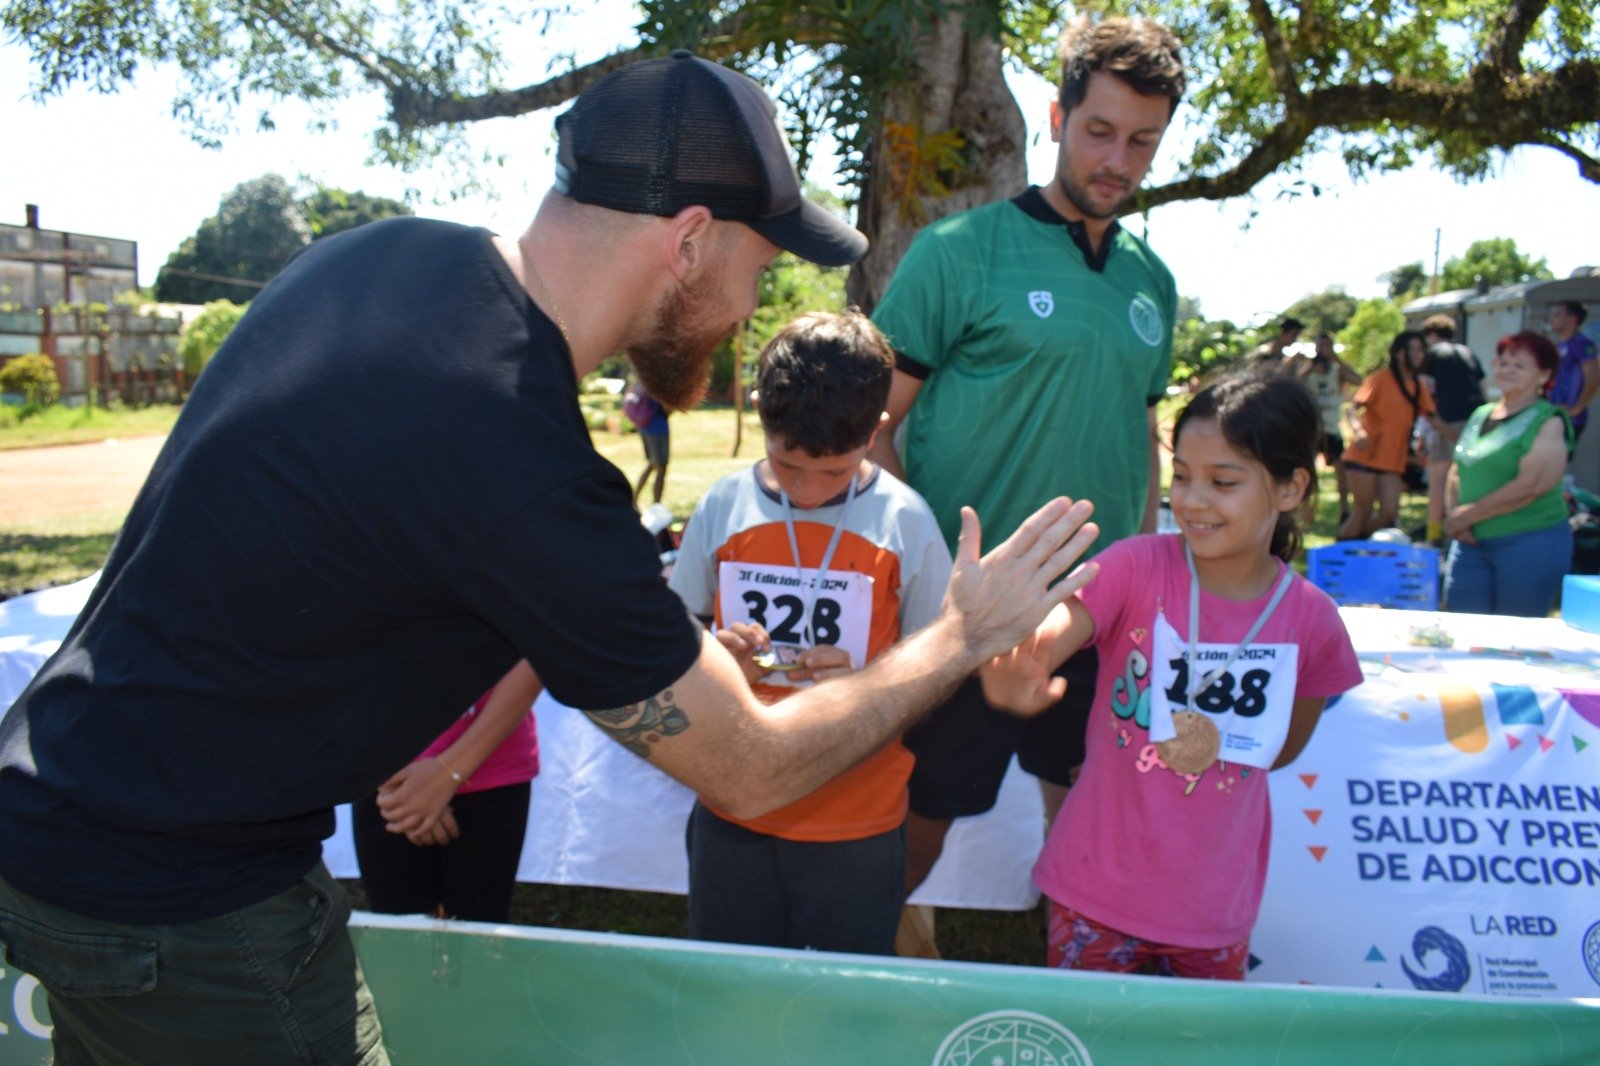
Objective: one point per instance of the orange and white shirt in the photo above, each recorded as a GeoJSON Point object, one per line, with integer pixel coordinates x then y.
{"type": "Point", "coordinates": [887, 577]}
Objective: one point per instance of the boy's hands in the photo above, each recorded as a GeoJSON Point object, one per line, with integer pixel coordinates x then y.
{"type": "Point", "coordinates": [822, 662]}
{"type": "Point", "coordinates": [744, 641]}
{"type": "Point", "coordinates": [747, 640]}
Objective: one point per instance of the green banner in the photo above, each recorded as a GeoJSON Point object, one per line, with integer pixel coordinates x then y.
{"type": "Point", "coordinates": [484, 995]}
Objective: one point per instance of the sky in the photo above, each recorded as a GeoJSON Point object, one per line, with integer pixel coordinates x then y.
{"type": "Point", "coordinates": [121, 166]}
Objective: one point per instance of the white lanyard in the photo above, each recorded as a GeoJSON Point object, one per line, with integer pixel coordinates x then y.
{"type": "Point", "coordinates": [810, 591]}
{"type": "Point", "coordinates": [1195, 688]}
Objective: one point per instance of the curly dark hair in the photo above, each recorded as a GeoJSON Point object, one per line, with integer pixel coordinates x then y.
{"type": "Point", "coordinates": [1140, 51]}
{"type": "Point", "coordinates": [824, 381]}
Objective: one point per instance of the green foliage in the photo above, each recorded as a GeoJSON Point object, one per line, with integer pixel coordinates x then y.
{"type": "Point", "coordinates": [257, 227]}
{"type": "Point", "coordinates": [330, 210]}
{"type": "Point", "coordinates": [135, 297]}
{"type": "Point", "coordinates": [1495, 260]}
{"type": "Point", "coordinates": [34, 378]}
{"type": "Point", "coordinates": [1327, 310]}
{"type": "Point", "coordinates": [1365, 340]}
{"type": "Point", "coordinates": [1335, 50]}
{"type": "Point", "coordinates": [204, 334]}
{"type": "Point", "coordinates": [1406, 282]}
{"type": "Point", "coordinates": [829, 61]}
{"type": "Point", "coordinates": [721, 386]}
{"type": "Point", "coordinates": [1201, 348]}
{"type": "Point", "coordinates": [791, 287]}
{"type": "Point", "coordinates": [83, 424]}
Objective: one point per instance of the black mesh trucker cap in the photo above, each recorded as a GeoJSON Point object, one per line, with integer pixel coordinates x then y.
{"type": "Point", "coordinates": [664, 134]}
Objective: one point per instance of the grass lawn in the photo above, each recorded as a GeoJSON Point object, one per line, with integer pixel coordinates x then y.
{"type": "Point", "coordinates": [36, 555]}
{"type": "Point", "coordinates": [702, 451]}
{"type": "Point", "coordinates": [43, 552]}
{"type": "Point", "coordinates": [80, 425]}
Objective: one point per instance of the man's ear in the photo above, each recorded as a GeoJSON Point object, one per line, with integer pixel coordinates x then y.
{"type": "Point", "coordinates": [1055, 120]}
{"type": "Point", "coordinates": [686, 240]}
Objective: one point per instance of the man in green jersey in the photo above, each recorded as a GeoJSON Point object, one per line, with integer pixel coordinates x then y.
{"type": "Point", "coordinates": [1033, 338]}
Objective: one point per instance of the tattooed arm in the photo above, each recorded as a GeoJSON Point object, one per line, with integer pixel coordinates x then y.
{"type": "Point", "coordinates": [710, 732]}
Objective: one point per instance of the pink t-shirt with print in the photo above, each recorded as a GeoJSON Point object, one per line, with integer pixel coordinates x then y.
{"type": "Point", "coordinates": [1173, 859]}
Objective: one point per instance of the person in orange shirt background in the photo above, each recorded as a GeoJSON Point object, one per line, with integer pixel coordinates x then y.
{"type": "Point", "coordinates": [1381, 416]}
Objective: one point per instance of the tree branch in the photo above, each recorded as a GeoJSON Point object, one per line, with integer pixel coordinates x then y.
{"type": "Point", "coordinates": [1502, 55]}
{"type": "Point", "coordinates": [738, 32]}
{"type": "Point", "coordinates": [1274, 150]}
{"type": "Point", "coordinates": [415, 108]}
{"type": "Point", "coordinates": [1588, 165]}
{"type": "Point", "coordinates": [1277, 54]}
{"type": "Point", "coordinates": [385, 73]}
{"type": "Point", "coordinates": [1520, 111]}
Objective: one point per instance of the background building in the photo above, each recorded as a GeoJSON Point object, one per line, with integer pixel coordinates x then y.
{"type": "Point", "coordinates": [59, 296]}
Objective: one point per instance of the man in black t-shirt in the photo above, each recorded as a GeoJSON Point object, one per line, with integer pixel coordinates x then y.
{"type": "Point", "coordinates": [1457, 392]}
{"type": "Point", "coordinates": [380, 495]}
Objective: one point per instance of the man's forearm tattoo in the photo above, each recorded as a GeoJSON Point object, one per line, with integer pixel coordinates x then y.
{"type": "Point", "coordinates": [639, 725]}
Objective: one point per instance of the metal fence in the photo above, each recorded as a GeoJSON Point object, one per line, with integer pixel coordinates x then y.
{"type": "Point", "coordinates": [112, 353]}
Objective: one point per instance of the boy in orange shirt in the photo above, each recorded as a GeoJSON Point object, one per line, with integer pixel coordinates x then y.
{"type": "Point", "coordinates": [809, 564]}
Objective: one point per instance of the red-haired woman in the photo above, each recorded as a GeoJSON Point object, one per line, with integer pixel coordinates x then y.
{"type": "Point", "coordinates": [1503, 503]}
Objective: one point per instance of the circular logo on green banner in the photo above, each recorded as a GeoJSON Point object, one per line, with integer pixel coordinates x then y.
{"type": "Point", "coordinates": [1011, 1038]}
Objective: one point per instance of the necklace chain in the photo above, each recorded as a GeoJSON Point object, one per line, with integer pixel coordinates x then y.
{"type": "Point", "coordinates": [555, 310]}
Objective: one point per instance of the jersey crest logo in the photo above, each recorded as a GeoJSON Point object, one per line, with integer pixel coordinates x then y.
{"type": "Point", "coordinates": [1145, 319]}
{"type": "Point", "coordinates": [1041, 302]}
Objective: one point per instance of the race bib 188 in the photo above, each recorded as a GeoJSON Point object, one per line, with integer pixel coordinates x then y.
{"type": "Point", "coordinates": [1250, 703]}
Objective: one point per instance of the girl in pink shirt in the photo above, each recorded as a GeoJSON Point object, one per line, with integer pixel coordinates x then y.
{"type": "Point", "coordinates": [1216, 661]}
{"type": "Point", "coordinates": [443, 836]}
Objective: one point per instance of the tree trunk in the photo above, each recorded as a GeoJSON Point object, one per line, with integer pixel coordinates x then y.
{"type": "Point", "coordinates": [959, 88]}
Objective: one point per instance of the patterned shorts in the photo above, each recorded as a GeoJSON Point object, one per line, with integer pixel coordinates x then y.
{"type": "Point", "coordinates": [1080, 943]}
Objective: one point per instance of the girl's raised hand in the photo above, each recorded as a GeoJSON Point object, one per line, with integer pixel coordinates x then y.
{"type": "Point", "coordinates": [1020, 681]}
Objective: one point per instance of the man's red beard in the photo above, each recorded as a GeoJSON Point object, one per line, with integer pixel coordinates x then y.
{"type": "Point", "coordinates": [673, 360]}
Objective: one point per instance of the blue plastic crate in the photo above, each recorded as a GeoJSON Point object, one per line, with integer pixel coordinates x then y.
{"type": "Point", "coordinates": [1580, 601]}
{"type": "Point", "coordinates": [1377, 573]}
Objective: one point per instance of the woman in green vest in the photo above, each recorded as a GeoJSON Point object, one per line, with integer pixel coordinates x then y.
{"type": "Point", "coordinates": [1503, 503]}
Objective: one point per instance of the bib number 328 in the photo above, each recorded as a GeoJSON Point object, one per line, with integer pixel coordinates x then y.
{"type": "Point", "coordinates": [781, 617]}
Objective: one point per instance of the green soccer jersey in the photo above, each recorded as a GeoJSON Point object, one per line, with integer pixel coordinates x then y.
{"type": "Point", "coordinates": [1039, 366]}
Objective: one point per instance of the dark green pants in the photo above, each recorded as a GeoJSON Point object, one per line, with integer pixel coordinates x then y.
{"type": "Point", "coordinates": [274, 983]}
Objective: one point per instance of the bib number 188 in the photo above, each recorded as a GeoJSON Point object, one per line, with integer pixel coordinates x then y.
{"type": "Point", "coordinates": [1221, 697]}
